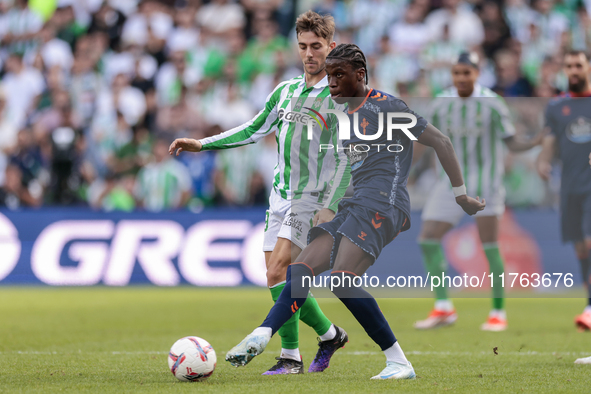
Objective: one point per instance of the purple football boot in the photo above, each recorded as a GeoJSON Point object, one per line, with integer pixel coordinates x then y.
{"type": "Point", "coordinates": [286, 366]}
{"type": "Point", "coordinates": [327, 349]}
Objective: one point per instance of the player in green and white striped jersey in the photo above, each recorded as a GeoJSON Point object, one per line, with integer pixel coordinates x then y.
{"type": "Point", "coordinates": [478, 123]}
{"type": "Point", "coordinates": [308, 183]}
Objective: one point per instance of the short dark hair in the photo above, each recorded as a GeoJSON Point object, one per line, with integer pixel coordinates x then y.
{"type": "Point", "coordinates": [352, 54]}
{"type": "Point", "coordinates": [321, 25]}
{"type": "Point", "coordinates": [577, 52]}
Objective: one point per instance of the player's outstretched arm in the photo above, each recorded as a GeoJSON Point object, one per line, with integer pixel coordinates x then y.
{"type": "Point", "coordinates": [254, 130]}
{"type": "Point", "coordinates": [519, 144]}
{"type": "Point", "coordinates": [447, 157]}
{"type": "Point", "coordinates": [184, 144]}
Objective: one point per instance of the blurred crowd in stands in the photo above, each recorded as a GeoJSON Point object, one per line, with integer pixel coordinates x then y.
{"type": "Point", "coordinates": [92, 92]}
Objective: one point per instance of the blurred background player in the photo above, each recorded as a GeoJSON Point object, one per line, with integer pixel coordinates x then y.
{"type": "Point", "coordinates": [478, 122]}
{"type": "Point", "coordinates": [378, 211]}
{"type": "Point", "coordinates": [569, 123]}
{"type": "Point", "coordinates": [584, 360]}
{"type": "Point", "coordinates": [307, 185]}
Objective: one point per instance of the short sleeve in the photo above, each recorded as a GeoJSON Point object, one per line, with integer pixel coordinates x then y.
{"type": "Point", "coordinates": [501, 117]}
{"type": "Point", "coordinates": [398, 105]}
{"type": "Point", "coordinates": [549, 120]}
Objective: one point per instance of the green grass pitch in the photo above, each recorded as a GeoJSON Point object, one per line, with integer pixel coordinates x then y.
{"type": "Point", "coordinates": [116, 340]}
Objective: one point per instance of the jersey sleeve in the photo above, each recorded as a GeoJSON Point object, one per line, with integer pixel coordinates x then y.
{"type": "Point", "coordinates": [252, 131]}
{"type": "Point", "coordinates": [432, 113]}
{"type": "Point", "coordinates": [398, 105]}
{"type": "Point", "coordinates": [342, 177]}
{"type": "Point", "coordinates": [549, 119]}
{"type": "Point", "coordinates": [501, 118]}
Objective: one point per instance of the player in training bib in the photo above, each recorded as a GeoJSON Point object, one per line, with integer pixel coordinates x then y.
{"type": "Point", "coordinates": [568, 119]}
{"type": "Point", "coordinates": [307, 187]}
{"type": "Point", "coordinates": [478, 123]}
{"type": "Point", "coordinates": [372, 218]}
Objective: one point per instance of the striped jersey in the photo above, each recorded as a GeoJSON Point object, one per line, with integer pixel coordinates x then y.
{"type": "Point", "coordinates": [161, 185]}
{"type": "Point", "coordinates": [303, 169]}
{"type": "Point", "coordinates": [477, 126]}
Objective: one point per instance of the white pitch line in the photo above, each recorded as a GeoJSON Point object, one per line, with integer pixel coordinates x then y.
{"type": "Point", "coordinates": [501, 352]}
{"type": "Point", "coordinates": [354, 353]}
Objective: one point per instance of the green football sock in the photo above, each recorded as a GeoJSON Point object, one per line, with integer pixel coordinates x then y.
{"type": "Point", "coordinates": [290, 331]}
{"type": "Point", "coordinates": [312, 315]}
{"type": "Point", "coordinates": [435, 263]}
{"type": "Point", "coordinates": [496, 265]}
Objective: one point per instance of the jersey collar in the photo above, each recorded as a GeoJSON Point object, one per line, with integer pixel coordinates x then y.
{"type": "Point", "coordinates": [363, 102]}
{"type": "Point", "coordinates": [319, 85]}
{"type": "Point", "coordinates": [477, 92]}
{"type": "Point", "coordinates": [584, 94]}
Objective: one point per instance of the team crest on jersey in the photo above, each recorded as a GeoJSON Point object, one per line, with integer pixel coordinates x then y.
{"type": "Point", "coordinates": [478, 119]}
{"type": "Point", "coordinates": [566, 110]}
{"type": "Point", "coordinates": [317, 103]}
{"type": "Point", "coordinates": [579, 130]}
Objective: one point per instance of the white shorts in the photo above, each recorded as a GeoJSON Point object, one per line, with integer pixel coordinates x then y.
{"type": "Point", "coordinates": [289, 219]}
{"type": "Point", "coordinates": [442, 207]}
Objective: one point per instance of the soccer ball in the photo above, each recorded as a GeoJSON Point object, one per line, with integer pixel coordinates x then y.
{"type": "Point", "coordinates": [191, 359]}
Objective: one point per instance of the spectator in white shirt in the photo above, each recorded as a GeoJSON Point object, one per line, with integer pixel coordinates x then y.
{"type": "Point", "coordinates": [172, 76]}
{"type": "Point", "coordinates": [19, 27]}
{"type": "Point", "coordinates": [465, 26]}
{"type": "Point", "coordinates": [25, 84]}
{"type": "Point", "coordinates": [221, 16]}
{"type": "Point", "coordinates": [410, 34]}
{"type": "Point", "coordinates": [54, 52]}
{"type": "Point", "coordinates": [550, 22]}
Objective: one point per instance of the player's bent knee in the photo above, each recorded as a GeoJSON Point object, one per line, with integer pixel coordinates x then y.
{"type": "Point", "coordinates": [301, 277]}
{"type": "Point", "coordinates": [428, 234]}
{"type": "Point", "coordinates": [274, 276]}
{"type": "Point", "coordinates": [277, 269]}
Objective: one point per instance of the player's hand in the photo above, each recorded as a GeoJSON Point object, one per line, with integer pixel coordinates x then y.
{"type": "Point", "coordinates": [323, 216]}
{"type": "Point", "coordinates": [470, 205]}
{"type": "Point", "coordinates": [590, 159]}
{"type": "Point", "coordinates": [184, 144]}
{"type": "Point", "coordinates": [544, 169]}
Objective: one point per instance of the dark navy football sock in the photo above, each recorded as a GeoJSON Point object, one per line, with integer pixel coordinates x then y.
{"type": "Point", "coordinates": [287, 304]}
{"type": "Point", "coordinates": [364, 307]}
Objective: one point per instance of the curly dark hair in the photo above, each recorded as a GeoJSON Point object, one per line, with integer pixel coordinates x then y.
{"type": "Point", "coordinates": [352, 54]}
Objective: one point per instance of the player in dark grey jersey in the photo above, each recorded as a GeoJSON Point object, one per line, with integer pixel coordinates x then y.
{"type": "Point", "coordinates": [568, 120]}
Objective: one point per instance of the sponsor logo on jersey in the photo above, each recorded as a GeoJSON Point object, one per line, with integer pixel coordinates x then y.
{"type": "Point", "coordinates": [371, 107]}
{"type": "Point", "coordinates": [579, 130]}
{"type": "Point", "coordinates": [303, 118]}
{"type": "Point", "coordinates": [294, 116]}
{"type": "Point", "coordinates": [356, 159]}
